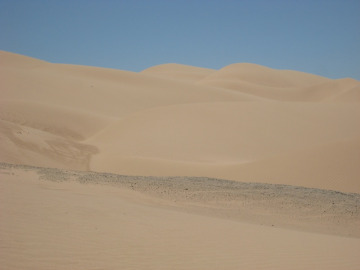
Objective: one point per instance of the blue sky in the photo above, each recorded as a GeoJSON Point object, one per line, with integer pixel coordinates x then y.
{"type": "Point", "coordinates": [315, 36]}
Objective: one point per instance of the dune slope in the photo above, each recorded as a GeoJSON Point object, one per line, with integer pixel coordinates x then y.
{"type": "Point", "coordinates": [243, 122]}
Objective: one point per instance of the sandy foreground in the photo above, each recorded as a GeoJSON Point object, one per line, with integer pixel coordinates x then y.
{"type": "Point", "coordinates": [57, 219]}
{"type": "Point", "coordinates": [177, 167]}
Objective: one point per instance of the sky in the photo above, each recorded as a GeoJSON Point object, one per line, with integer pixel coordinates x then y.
{"type": "Point", "coordinates": [316, 36]}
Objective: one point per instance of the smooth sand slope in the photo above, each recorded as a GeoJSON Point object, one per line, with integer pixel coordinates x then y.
{"type": "Point", "coordinates": [207, 139]}
{"type": "Point", "coordinates": [181, 120]}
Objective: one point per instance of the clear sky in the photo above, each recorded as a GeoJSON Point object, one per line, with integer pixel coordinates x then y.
{"type": "Point", "coordinates": [316, 36]}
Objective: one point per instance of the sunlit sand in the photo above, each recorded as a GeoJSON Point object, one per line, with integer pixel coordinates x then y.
{"type": "Point", "coordinates": [177, 167]}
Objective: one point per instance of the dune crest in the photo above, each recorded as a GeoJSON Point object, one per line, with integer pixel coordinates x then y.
{"type": "Point", "coordinates": [179, 72]}
{"type": "Point", "coordinates": [261, 75]}
{"type": "Point", "coordinates": [10, 60]}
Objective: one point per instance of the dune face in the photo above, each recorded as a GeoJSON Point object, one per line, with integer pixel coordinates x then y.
{"type": "Point", "coordinates": [177, 167]}
{"type": "Point", "coordinates": [243, 122]}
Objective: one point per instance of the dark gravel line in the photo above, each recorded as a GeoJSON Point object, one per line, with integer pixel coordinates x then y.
{"type": "Point", "coordinates": [231, 198]}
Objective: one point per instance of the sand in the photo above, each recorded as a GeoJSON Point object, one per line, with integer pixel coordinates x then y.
{"type": "Point", "coordinates": [245, 167]}
{"type": "Point", "coordinates": [56, 219]}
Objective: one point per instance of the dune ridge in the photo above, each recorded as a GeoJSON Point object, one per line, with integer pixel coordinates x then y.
{"type": "Point", "coordinates": [179, 72]}
{"type": "Point", "coordinates": [181, 120]}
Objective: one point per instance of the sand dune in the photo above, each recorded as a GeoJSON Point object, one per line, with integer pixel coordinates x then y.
{"type": "Point", "coordinates": [179, 120]}
{"type": "Point", "coordinates": [210, 138]}
{"type": "Point", "coordinates": [274, 134]}
{"type": "Point", "coordinates": [333, 166]}
{"type": "Point", "coordinates": [348, 95]}
{"type": "Point", "coordinates": [102, 91]}
{"type": "Point", "coordinates": [26, 145]}
{"type": "Point", "coordinates": [229, 131]}
{"type": "Point", "coordinates": [331, 91]}
{"type": "Point", "coordinates": [179, 72]}
{"type": "Point", "coordinates": [10, 60]}
{"type": "Point", "coordinates": [70, 123]}
{"type": "Point", "coordinates": [281, 85]}
{"type": "Point", "coordinates": [260, 75]}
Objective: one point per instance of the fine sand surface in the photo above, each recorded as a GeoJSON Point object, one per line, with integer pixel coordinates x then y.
{"type": "Point", "coordinates": [245, 167]}
{"type": "Point", "coordinates": [57, 219]}
{"type": "Point", "coordinates": [244, 122]}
